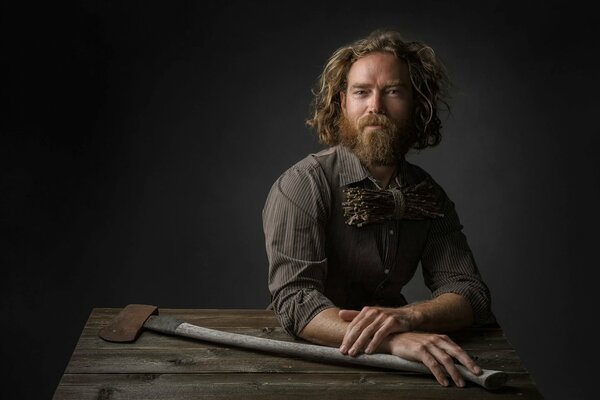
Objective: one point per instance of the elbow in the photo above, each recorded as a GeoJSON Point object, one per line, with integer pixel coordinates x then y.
{"type": "Point", "coordinates": [482, 309]}
{"type": "Point", "coordinates": [296, 309]}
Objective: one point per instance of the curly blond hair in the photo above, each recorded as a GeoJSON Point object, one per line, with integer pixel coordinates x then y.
{"type": "Point", "coordinates": [427, 74]}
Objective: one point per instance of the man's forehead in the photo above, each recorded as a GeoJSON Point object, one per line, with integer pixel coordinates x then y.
{"type": "Point", "coordinates": [383, 67]}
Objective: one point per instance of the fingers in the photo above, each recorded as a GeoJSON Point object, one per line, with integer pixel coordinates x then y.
{"type": "Point", "coordinates": [445, 350]}
{"type": "Point", "coordinates": [437, 352]}
{"type": "Point", "coordinates": [355, 329]}
{"type": "Point", "coordinates": [348, 315]}
{"type": "Point", "coordinates": [371, 336]}
{"type": "Point", "coordinates": [369, 328]}
{"type": "Point", "coordinates": [436, 369]}
{"type": "Point", "coordinates": [348, 347]}
{"type": "Point", "coordinates": [448, 365]}
{"type": "Point", "coordinates": [386, 329]}
{"type": "Point", "coordinates": [459, 354]}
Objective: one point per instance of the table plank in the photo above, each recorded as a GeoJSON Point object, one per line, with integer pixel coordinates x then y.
{"type": "Point", "coordinates": [162, 366]}
{"type": "Point", "coordinates": [209, 359]}
{"type": "Point", "coordinates": [273, 386]}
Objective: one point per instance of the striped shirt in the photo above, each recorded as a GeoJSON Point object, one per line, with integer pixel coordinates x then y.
{"type": "Point", "coordinates": [316, 261]}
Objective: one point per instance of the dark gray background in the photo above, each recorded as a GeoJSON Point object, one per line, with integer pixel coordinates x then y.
{"type": "Point", "coordinates": [139, 143]}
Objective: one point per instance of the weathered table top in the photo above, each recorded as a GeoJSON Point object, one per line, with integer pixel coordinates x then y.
{"type": "Point", "coordinates": [158, 366]}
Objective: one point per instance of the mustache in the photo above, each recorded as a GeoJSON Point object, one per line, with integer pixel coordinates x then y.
{"type": "Point", "coordinates": [375, 119]}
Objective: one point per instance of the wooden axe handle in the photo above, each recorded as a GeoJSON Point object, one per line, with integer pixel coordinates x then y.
{"type": "Point", "coordinates": [489, 379]}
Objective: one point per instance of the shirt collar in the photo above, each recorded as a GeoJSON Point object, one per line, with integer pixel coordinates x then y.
{"type": "Point", "coordinates": [352, 170]}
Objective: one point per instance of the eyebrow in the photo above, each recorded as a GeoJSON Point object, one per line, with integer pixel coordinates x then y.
{"type": "Point", "coordinates": [368, 85]}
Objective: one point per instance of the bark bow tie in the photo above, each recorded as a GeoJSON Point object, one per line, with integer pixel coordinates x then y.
{"type": "Point", "coordinates": [367, 206]}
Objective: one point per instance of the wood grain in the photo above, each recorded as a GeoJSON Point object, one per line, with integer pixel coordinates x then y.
{"type": "Point", "coordinates": [158, 366]}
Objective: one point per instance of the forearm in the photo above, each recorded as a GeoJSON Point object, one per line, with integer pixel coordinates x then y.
{"type": "Point", "coordinates": [326, 328]}
{"type": "Point", "coordinates": [445, 313]}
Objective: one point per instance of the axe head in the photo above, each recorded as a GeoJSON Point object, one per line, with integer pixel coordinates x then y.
{"type": "Point", "coordinates": [128, 324]}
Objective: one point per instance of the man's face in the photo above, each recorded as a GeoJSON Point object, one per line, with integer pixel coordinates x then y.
{"type": "Point", "coordinates": [377, 107]}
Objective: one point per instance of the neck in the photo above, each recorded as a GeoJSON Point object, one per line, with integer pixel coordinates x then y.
{"type": "Point", "coordinates": [382, 173]}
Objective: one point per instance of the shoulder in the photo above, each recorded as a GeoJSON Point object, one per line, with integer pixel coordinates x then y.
{"type": "Point", "coordinates": [414, 174]}
{"type": "Point", "coordinates": [314, 162]}
{"type": "Point", "coordinates": [304, 184]}
{"type": "Point", "coordinates": [308, 172]}
{"type": "Point", "coordinates": [306, 178]}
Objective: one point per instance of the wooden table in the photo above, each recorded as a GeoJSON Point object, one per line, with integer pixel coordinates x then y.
{"type": "Point", "coordinates": [158, 366]}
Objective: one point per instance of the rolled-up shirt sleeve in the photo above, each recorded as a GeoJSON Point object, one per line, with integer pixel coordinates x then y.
{"type": "Point", "coordinates": [294, 219]}
{"type": "Point", "coordinates": [448, 263]}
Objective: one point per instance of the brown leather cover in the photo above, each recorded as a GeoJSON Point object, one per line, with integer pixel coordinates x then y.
{"type": "Point", "coordinates": [127, 326]}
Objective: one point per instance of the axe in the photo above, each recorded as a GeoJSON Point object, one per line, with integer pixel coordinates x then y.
{"type": "Point", "coordinates": [128, 325]}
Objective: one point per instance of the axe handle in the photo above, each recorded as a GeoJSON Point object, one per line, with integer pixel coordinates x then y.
{"type": "Point", "coordinates": [489, 379]}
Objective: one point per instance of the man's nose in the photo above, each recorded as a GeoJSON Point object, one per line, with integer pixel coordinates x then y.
{"type": "Point", "coordinates": [376, 105]}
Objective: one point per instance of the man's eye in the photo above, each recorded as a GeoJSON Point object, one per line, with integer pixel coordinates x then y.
{"type": "Point", "coordinates": [360, 92]}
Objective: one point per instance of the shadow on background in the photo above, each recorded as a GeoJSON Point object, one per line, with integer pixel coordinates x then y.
{"type": "Point", "coordinates": [139, 142]}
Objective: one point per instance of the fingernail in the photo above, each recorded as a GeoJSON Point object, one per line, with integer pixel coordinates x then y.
{"type": "Point", "coordinates": [461, 383]}
{"type": "Point", "coordinates": [343, 349]}
{"type": "Point", "coordinates": [352, 352]}
{"type": "Point", "coordinates": [445, 382]}
{"type": "Point", "coordinates": [368, 350]}
{"type": "Point", "coordinates": [477, 370]}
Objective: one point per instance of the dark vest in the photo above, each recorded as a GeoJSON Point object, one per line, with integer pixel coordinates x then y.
{"type": "Point", "coordinates": [356, 270]}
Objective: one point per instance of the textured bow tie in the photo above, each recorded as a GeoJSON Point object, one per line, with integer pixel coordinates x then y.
{"type": "Point", "coordinates": [367, 206]}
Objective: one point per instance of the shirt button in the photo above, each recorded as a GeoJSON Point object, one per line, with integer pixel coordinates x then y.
{"type": "Point", "coordinates": [391, 231]}
{"type": "Point", "coordinates": [386, 271]}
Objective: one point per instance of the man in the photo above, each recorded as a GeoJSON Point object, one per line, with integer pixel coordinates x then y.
{"type": "Point", "coordinates": [346, 228]}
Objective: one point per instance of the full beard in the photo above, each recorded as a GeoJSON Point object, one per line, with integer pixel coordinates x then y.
{"type": "Point", "coordinates": [382, 146]}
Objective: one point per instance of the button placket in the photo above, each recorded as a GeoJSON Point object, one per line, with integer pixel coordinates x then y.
{"type": "Point", "coordinates": [390, 250]}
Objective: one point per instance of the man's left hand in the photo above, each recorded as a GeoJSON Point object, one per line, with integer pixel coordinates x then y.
{"type": "Point", "coordinates": [370, 326]}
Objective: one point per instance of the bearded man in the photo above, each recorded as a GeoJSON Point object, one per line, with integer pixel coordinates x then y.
{"type": "Point", "coordinates": [346, 228]}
